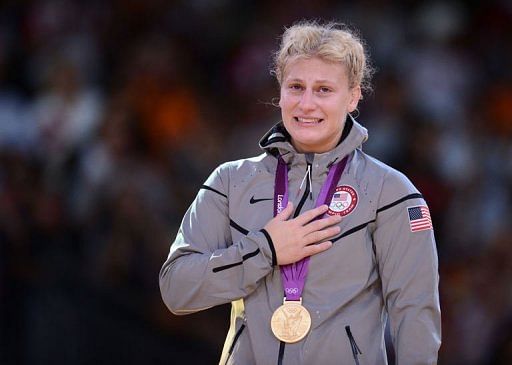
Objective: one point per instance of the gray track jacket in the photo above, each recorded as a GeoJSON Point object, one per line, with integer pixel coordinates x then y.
{"type": "Point", "coordinates": [383, 263]}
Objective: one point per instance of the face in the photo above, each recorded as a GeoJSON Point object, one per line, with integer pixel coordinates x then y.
{"type": "Point", "coordinates": [315, 100]}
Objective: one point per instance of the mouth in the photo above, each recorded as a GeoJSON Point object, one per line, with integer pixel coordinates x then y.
{"type": "Point", "coordinates": [308, 121]}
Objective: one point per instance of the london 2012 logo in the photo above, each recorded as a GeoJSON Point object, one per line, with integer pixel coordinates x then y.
{"type": "Point", "coordinates": [344, 201]}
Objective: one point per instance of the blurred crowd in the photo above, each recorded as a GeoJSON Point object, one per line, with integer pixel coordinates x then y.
{"type": "Point", "coordinates": [113, 113]}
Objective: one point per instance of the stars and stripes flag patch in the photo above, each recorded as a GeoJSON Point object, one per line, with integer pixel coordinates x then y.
{"type": "Point", "coordinates": [419, 218]}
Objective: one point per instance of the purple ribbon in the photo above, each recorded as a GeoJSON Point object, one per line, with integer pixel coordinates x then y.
{"type": "Point", "coordinates": [294, 275]}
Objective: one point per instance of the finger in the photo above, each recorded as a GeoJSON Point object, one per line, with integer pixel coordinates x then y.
{"type": "Point", "coordinates": [320, 224]}
{"type": "Point", "coordinates": [309, 215]}
{"type": "Point", "coordinates": [314, 249]}
{"type": "Point", "coordinates": [319, 236]}
{"type": "Point", "coordinates": [286, 212]}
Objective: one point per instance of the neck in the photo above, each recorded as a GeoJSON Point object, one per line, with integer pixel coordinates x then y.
{"type": "Point", "coordinates": [326, 147]}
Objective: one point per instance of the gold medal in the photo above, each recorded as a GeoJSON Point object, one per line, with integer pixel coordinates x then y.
{"type": "Point", "coordinates": [291, 322]}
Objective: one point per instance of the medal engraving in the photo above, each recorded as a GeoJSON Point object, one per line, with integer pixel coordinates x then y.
{"type": "Point", "coordinates": [290, 322]}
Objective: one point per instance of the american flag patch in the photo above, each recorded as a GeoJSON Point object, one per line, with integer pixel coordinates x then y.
{"type": "Point", "coordinates": [340, 197]}
{"type": "Point", "coordinates": [419, 218]}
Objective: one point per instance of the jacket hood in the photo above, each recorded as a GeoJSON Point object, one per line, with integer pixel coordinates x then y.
{"type": "Point", "coordinates": [277, 141]}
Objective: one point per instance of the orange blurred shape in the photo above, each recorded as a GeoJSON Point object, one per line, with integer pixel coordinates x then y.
{"type": "Point", "coordinates": [500, 109]}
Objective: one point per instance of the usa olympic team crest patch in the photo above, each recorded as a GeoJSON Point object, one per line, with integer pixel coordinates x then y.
{"type": "Point", "coordinates": [344, 201]}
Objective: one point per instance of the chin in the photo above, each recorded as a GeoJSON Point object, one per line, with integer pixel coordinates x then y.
{"type": "Point", "coordinates": [309, 145]}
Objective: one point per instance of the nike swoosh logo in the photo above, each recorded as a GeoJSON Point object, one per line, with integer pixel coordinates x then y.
{"type": "Point", "coordinates": [252, 201]}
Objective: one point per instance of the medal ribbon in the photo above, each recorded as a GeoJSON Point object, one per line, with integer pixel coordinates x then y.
{"type": "Point", "coordinates": [294, 275]}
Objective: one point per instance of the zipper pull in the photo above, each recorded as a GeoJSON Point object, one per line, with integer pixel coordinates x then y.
{"type": "Point", "coordinates": [310, 182]}
{"type": "Point", "coordinates": [304, 179]}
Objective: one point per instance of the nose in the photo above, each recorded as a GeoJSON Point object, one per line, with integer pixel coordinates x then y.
{"type": "Point", "coordinates": [307, 102]}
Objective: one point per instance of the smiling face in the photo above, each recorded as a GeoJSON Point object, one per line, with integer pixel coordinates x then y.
{"type": "Point", "coordinates": [315, 100]}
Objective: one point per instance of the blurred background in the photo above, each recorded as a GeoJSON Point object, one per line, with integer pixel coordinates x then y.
{"type": "Point", "coordinates": [113, 113]}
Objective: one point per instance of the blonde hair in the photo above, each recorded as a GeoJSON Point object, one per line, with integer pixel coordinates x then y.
{"type": "Point", "coordinates": [332, 42]}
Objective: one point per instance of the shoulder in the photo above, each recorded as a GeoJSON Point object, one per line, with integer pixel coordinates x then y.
{"type": "Point", "coordinates": [394, 184]}
{"type": "Point", "coordinates": [236, 165]}
{"type": "Point", "coordinates": [235, 169]}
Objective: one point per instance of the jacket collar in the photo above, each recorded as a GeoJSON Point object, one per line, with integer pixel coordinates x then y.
{"type": "Point", "coordinates": [277, 141]}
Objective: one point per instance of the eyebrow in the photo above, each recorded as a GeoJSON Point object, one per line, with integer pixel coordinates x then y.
{"type": "Point", "coordinates": [323, 81]}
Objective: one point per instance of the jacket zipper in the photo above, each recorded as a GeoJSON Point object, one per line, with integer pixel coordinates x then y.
{"type": "Point", "coordinates": [356, 351]}
{"type": "Point", "coordinates": [307, 192]}
{"type": "Point", "coordinates": [235, 339]}
{"type": "Point", "coordinates": [281, 353]}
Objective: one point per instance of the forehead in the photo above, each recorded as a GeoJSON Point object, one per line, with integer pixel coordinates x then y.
{"type": "Point", "coordinates": [315, 69]}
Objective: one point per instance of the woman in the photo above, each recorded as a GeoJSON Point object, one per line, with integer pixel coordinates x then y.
{"type": "Point", "coordinates": [314, 242]}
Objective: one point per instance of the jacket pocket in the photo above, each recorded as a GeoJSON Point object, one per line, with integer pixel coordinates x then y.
{"type": "Point", "coordinates": [235, 339]}
{"type": "Point", "coordinates": [356, 351]}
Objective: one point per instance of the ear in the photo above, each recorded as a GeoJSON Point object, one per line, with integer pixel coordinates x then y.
{"type": "Point", "coordinates": [355, 96]}
{"type": "Point", "coordinates": [281, 92]}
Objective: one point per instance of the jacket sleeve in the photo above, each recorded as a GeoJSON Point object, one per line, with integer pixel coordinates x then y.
{"type": "Point", "coordinates": [204, 267]}
{"type": "Point", "coordinates": [408, 268]}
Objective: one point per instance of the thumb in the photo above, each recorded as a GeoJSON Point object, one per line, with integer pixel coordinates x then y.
{"type": "Point", "coordinates": [286, 212]}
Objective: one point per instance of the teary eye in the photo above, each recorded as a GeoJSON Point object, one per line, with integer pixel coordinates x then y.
{"type": "Point", "coordinates": [324, 89]}
{"type": "Point", "coordinates": [295, 87]}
